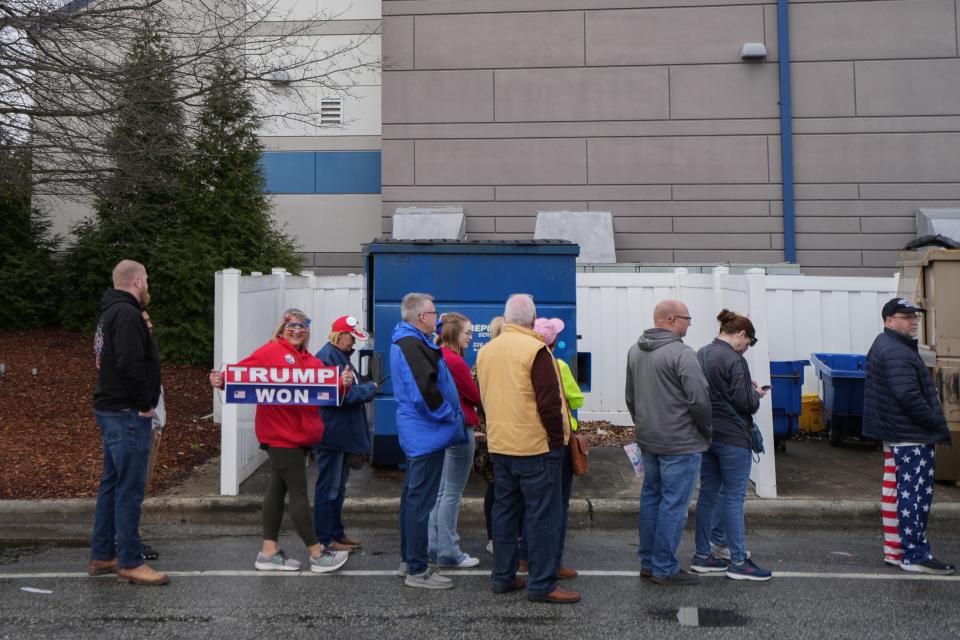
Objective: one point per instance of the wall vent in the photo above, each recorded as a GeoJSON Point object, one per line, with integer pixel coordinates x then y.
{"type": "Point", "coordinates": [331, 111]}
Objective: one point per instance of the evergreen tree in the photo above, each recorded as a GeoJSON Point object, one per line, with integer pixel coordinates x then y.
{"type": "Point", "coordinates": [28, 272]}
{"type": "Point", "coordinates": [226, 220]}
{"type": "Point", "coordinates": [141, 199]}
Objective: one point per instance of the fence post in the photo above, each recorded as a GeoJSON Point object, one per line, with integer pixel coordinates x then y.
{"type": "Point", "coordinates": [280, 278]}
{"type": "Point", "coordinates": [764, 473]}
{"type": "Point", "coordinates": [718, 273]}
{"type": "Point", "coordinates": [679, 277]}
{"type": "Point", "coordinates": [229, 327]}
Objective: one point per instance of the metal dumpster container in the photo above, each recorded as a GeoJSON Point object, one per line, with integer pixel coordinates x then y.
{"type": "Point", "coordinates": [475, 279]}
{"type": "Point", "coordinates": [842, 375]}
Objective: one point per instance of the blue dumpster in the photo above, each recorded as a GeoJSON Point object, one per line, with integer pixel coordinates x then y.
{"type": "Point", "coordinates": [786, 378]}
{"type": "Point", "coordinates": [475, 279]}
{"type": "Point", "coordinates": [842, 375]}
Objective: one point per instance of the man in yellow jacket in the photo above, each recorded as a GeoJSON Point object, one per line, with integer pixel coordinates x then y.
{"type": "Point", "coordinates": [528, 425]}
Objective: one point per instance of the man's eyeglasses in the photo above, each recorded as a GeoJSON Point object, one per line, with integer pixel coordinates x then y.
{"type": "Point", "coordinates": [427, 313]}
{"type": "Point", "coordinates": [684, 317]}
{"type": "Point", "coordinates": [910, 318]}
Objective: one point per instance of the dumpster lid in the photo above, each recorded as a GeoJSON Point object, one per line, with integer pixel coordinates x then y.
{"type": "Point", "coordinates": [543, 247]}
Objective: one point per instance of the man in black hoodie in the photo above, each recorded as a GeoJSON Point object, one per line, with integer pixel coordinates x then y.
{"type": "Point", "coordinates": [128, 389]}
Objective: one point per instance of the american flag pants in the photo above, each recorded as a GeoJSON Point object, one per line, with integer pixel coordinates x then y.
{"type": "Point", "coordinates": [905, 502]}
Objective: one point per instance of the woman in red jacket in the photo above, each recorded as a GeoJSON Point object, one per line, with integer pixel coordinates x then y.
{"type": "Point", "coordinates": [443, 543]}
{"type": "Point", "coordinates": [288, 433]}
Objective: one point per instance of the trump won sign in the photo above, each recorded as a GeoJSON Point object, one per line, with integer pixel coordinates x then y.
{"type": "Point", "coordinates": [316, 386]}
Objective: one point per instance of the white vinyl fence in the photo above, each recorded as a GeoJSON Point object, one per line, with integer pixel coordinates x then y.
{"type": "Point", "coordinates": [794, 316]}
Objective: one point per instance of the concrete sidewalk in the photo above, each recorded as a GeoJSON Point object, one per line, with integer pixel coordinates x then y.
{"type": "Point", "coordinates": [818, 485]}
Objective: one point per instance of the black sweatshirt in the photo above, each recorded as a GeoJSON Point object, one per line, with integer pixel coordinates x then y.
{"type": "Point", "coordinates": [128, 363]}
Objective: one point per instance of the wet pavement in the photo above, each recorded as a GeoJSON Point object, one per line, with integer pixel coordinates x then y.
{"type": "Point", "coordinates": [828, 584]}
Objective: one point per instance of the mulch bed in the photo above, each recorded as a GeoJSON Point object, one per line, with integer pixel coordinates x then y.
{"type": "Point", "coordinates": [601, 433]}
{"type": "Point", "coordinates": [50, 442]}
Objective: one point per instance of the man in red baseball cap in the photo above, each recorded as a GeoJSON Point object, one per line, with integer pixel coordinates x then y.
{"type": "Point", "coordinates": [346, 442]}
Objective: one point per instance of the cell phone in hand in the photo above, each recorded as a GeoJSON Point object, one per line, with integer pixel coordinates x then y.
{"type": "Point", "coordinates": [766, 387]}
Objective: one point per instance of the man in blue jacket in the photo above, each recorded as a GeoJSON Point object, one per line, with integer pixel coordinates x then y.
{"type": "Point", "coordinates": [901, 408]}
{"type": "Point", "coordinates": [346, 437]}
{"type": "Point", "coordinates": [429, 420]}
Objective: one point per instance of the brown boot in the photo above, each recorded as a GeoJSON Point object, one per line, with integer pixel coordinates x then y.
{"type": "Point", "coordinates": [518, 583]}
{"type": "Point", "coordinates": [142, 575]}
{"type": "Point", "coordinates": [524, 567]}
{"type": "Point", "coordinates": [558, 596]}
{"type": "Point", "coordinates": [349, 542]}
{"type": "Point", "coordinates": [566, 573]}
{"type": "Point", "coordinates": [102, 567]}
{"type": "Point", "coordinates": [339, 546]}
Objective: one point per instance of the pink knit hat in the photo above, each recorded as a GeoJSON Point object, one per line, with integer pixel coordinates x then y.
{"type": "Point", "coordinates": [549, 328]}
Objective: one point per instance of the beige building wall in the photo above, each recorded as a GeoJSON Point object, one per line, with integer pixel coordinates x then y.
{"type": "Point", "coordinates": [512, 107]}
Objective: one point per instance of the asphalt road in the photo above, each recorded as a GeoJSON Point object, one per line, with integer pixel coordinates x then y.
{"type": "Point", "coordinates": [829, 583]}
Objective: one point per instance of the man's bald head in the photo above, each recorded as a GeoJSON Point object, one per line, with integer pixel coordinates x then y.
{"type": "Point", "coordinates": [126, 272]}
{"type": "Point", "coordinates": [131, 276]}
{"type": "Point", "coordinates": [672, 315]}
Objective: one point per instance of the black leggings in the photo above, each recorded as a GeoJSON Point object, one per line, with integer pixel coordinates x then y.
{"type": "Point", "coordinates": [288, 472]}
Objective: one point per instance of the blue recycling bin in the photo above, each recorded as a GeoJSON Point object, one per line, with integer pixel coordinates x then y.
{"type": "Point", "coordinates": [786, 378]}
{"type": "Point", "coordinates": [843, 376]}
{"type": "Point", "coordinates": [475, 279]}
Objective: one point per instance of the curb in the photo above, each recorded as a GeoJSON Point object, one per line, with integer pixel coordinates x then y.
{"type": "Point", "coordinates": [584, 512]}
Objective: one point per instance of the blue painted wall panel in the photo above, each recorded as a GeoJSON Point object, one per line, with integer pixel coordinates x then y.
{"type": "Point", "coordinates": [323, 172]}
{"type": "Point", "coordinates": [348, 172]}
{"type": "Point", "coordinates": [290, 172]}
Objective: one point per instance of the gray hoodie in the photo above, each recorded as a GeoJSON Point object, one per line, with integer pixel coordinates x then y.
{"type": "Point", "coordinates": [668, 395]}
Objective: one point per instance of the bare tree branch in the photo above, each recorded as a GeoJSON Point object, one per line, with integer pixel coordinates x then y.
{"type": "Point", "coordinates": [61, 71]}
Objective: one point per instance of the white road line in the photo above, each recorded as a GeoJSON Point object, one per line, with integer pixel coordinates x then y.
{"type": "Point", "coordinates": [477, 572]}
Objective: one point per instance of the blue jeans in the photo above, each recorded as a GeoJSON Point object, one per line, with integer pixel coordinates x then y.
{"type": "Point", "coordinates": [443, 541]}
{"type": "Point", "coordinates": [331, 489]}
{"type": "Point", "coordinates": [532, 482]}
{"type": "Point", "coordinates": [126, 448]}
{"type": "Point", "coordinates": [566, 490]}
{"type": "Point", "coordinates": [667, 488]}
{"type": "Point", "coordinates": [724, 474]}
{"type": "Point", "coordinates": [420, 485]}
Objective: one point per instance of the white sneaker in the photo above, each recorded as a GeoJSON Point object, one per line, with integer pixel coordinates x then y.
{"type": "Point", "coordinates": [466, 561]}
{"type": "Point", "coordinates": [328, 560]}
{"type": "Point", "coordinates": [402, 570]}
{"type": "Point", "coordinates": [428, 580]}
{"type": "Point", "coordinates": [277, 562]}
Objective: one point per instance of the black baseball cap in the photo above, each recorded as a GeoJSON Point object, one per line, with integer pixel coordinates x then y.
{"type": "Point", "coordinates": [899, 304]}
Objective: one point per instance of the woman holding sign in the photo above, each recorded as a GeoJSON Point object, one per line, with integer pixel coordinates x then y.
{"type": "Point", "coordinates": [288, 433]}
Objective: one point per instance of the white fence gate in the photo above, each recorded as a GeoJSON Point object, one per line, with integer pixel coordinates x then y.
{"type": "Point", "coordinates": [794, 316]}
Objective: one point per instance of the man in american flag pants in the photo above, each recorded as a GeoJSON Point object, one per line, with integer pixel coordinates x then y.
{"type": "Point", "coordinates": [901, 408]}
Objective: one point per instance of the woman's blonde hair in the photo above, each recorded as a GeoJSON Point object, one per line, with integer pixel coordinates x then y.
{"type": "Point", "coordinates": [496, 327]}
{"type": "Point", "coordinates": [287, 316]}
{"type": "Point", "coordinates": [451, 327]}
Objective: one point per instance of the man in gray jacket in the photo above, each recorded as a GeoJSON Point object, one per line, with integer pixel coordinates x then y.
{"type": "Point", "coordinates": [669, 399]}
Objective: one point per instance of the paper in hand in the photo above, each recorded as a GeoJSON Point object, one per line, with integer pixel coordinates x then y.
{"type": "Point", "coordinates": [633, 452]}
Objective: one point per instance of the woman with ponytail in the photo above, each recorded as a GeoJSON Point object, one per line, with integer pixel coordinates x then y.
{"type": "Point", "coordinates": [725, 468]}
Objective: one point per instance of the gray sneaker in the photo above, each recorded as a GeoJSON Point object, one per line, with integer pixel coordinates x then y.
{"type": "Point", "coordinates": [428, 580]}
{"type": "Point", "coordinates": [329, 560]}
{"type": "Point", "coordinates": [277, 562]}
{"type": "Point", "coordinates": [723, 552]}
{"type": "Point", "coordinates": [402, 570]}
